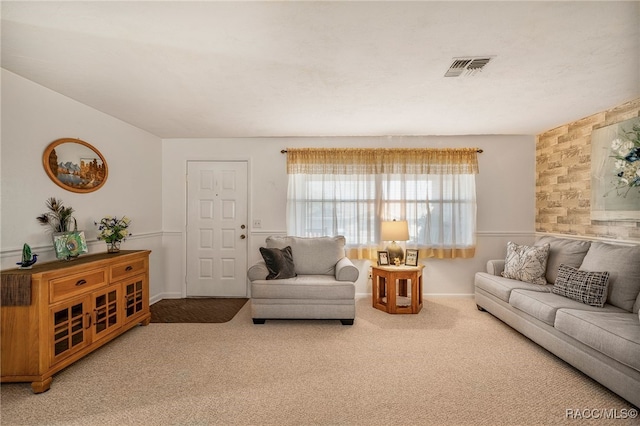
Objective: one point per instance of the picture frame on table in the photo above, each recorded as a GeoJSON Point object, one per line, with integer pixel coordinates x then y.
{"type": "Point", "coordinates": [69, 245]}
{"type": "Point", "coordinates": [411, 257]}
{"type": "Point", "coordinates": [383, 258]}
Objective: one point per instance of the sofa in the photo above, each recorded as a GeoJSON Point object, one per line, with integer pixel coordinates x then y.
{"type": "Point", "coordinates": [580, 301]}
{"type": "Point", "coordinates": [303, 278]}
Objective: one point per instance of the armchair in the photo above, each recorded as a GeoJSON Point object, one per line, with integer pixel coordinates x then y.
{"type": "Point", "coordinates": [323, 286]}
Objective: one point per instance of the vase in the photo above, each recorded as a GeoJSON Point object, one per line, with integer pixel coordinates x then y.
{"type": "Point", "coordinates": [113, 246]}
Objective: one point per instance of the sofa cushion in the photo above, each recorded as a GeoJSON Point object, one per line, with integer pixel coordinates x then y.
{"type": "Point", "coordinates": [584, 286]}
{"type": "Point", "coordinates": [623, 265]}
{"type": "Point", "coordinates": [543, 306]}
{"type": "Point", "coordinates": [312, 256]}
{"type": "Point", "coordinates": [501, 287]}
{"type": "Point", "coordinates": [321, 287]}
{"type": "Point", "coordinates": [279, 262]}
{"type": "Point", "coordinates": [562, 251]}
{"type": "Point", "coordinates": [526, 263]}
{"type": "Point", "coordinates": [616, 335]}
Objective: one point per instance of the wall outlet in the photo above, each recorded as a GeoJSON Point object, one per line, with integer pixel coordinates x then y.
{"type": "Point", "coordinates": [257, 223]}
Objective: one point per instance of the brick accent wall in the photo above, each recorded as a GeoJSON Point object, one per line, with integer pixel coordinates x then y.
{"type": "Point", "coordinates": [563, 179]}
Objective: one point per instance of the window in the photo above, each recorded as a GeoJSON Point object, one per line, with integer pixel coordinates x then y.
{"type": "Point", "coordinates": [350, 191]}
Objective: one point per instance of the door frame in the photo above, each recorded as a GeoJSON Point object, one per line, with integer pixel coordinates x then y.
{"type": "Point", "coordinates": [185, 211]}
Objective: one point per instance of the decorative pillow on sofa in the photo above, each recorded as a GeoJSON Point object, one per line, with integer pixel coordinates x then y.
{"type": "Point", "coordinates": [562, 250]}
{"type": "Point", "coordinates": [623, 264]}
{"type": "Point", "coordinates": [279, 262]}
{"type": "Point", "coordinates": [587, 287]}
{"type": "Point", "coordinates": [526, 263]}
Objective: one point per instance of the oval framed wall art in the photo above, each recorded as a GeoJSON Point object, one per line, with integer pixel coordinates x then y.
{"type": "Point", "coordinates": [75, 165]}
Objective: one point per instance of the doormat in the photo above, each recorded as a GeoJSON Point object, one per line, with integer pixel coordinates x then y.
{"type": "Point", "coordinates": [200, 309]}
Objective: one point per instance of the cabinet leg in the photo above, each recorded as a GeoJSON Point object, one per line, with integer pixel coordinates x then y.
{"type": "Point", "coordinates": [43, 386]}
{"type": "Point", "coordinates": [146, 321]}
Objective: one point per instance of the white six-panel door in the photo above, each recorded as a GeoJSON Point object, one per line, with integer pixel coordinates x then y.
{"type": "Point", "coordinates": [216, 228]}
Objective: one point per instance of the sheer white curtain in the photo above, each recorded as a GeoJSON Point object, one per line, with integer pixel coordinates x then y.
{"type": "Point", "coordinates": [440, 208]}
{"type": "Point", "coordinates": [440, 211]}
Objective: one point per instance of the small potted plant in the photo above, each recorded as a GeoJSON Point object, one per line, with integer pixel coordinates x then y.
{"type": "Point", "coordinates": [113, 231]}
{"type": "Point", "coordinates": [68, 242]}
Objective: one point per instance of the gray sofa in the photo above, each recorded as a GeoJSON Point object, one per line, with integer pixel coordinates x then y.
{"type": "Point", "coordinates": [602, 342]}
{"type": "Point", "coordinates": [323, 286]}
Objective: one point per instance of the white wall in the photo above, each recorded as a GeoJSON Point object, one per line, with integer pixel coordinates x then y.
{"type": "Point", "coordinates": [147, 182]}
{"type": "Point", "coordinates": [505, 190]}
{"type": "Point", "coordinates": [34, 116]}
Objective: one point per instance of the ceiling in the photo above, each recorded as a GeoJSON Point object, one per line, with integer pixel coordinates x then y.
{"type": "Point", "coordinates": [250, 69]}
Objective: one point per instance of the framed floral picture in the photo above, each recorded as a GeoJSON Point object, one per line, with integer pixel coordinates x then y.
{"type": "Point", "coordinates": [615, 172]}
{"type": "Point", "coordinates": [383, 258]}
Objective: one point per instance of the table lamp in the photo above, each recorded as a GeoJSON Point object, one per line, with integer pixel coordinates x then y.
{"type": "Point", "coordinates": [396, 230]}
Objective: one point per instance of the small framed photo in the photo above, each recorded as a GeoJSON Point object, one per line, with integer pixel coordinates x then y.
{"type": "Point", "coordinates": [411, 258]}
{"type": "Point", "coordinates": [383, 258]}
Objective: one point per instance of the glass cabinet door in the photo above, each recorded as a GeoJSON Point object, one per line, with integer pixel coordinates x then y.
{"type": "Point", "coordinates": [70, 323]}
{"type": "Point", "coordinates": [136, 301]}
{"type": "Point", "coordinates": [107, 316]}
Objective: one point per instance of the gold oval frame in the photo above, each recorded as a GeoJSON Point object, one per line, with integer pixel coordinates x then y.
{"type": "Point", "coordinates": [88, 166]}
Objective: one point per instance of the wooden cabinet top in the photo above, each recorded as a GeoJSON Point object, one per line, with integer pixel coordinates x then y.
{"type": "Point", "coordinates": [400, 268]}
{"type": "Point", "coordinates": [16, 283]}
{"type": "Point", "coordinates": [80, 261]}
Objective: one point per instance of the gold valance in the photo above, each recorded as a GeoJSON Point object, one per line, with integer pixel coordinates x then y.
{"type": "Point", "coordinates": [371, 253]}
{"type": "Point", "coordinates": [348, 161]}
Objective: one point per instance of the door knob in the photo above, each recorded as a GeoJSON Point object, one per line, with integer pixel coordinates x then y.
{"type": "Point", "coordinates": [242, 237]}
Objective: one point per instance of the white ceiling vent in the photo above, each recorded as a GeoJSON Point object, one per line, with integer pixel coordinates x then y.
{"type": "Point", "coordinates": [467, 66]}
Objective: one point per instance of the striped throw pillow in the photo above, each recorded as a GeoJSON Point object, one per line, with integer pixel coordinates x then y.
{"type": "Point", "coordinates": [587, 287]}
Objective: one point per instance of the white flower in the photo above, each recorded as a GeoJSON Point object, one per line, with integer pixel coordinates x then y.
{"type": "Point", "coordinates": [616, 144]}
{"type": "Point", "coordinates": [620, 164]}
{"type": "Point", "coordinates": [625, 148]}
{"type": "Point", "coordinates": [113, 229]}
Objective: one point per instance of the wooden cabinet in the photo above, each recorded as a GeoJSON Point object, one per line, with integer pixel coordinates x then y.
{"type": "Point", "coordinates": [70, 309]}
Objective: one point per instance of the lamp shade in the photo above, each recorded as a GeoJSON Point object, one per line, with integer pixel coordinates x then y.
{"type": "Point", "coordinates": [397, 230]}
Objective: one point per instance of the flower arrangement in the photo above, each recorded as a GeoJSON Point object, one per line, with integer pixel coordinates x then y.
{"type": "Point", "coordinates": [113, 230]}
{"type": "Point", "coordinates": [59, 218]}
{"type": "Point", "coordinates": [626, 151]}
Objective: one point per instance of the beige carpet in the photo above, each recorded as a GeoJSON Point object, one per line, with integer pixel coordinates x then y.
{"type": "Point", "coordinates": [448, 365]}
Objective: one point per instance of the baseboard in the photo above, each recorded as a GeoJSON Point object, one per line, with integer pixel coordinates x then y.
{"type": "Point", "coordinates": [159, 297]}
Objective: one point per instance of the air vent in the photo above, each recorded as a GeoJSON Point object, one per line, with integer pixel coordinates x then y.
{"type": "Point", "coordinates": [467, 66]}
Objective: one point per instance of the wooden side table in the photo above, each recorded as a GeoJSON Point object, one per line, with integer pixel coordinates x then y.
{"type": "Point", "coordinates": [390, 289]}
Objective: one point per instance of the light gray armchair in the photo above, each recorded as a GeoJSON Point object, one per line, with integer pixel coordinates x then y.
{"type": "Point", "coordinates": [323, 286]}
